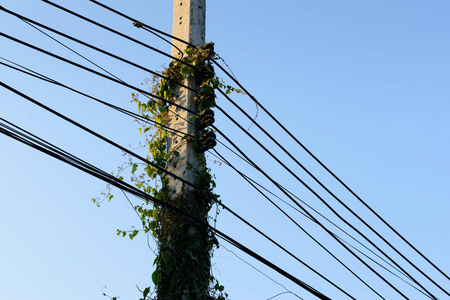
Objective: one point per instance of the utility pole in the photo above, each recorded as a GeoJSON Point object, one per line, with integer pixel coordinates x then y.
{"type": "Point", "coordinates": [184, 245]}
{"type": "Point", "coordinates": [188, 25]}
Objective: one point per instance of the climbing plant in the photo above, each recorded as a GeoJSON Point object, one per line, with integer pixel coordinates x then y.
{"type": "Point", "coordinates": [168, 227]}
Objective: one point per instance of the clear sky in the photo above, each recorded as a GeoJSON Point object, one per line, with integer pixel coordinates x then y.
{"type": "Point", "coordinates": [363, 85]}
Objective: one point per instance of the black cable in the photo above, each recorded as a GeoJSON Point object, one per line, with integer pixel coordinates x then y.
{"type": "Point", "coordinates": [287, 131]}
{"type": "Point", "coordinates": [330, 193]}
{"type": "Point", "coordinates": [128, 62]}
{"type": "Point", "coordinates": [180, 52]}
{"type": "Point", "coordinates": [298, 225]}
{"type": "Point", "coordinates": [330, 172]}
{"type": "Point", "coordinates": [117, 108]}
{"type": "Point", "coordinates": [118, 33]}
{"type": "Point", "coordinates": [95, 72]}
{"type": "Point", "coordinates": [145, 25]}
{"type": "Point", "coordinates": [253, 183]}
{"type": "Point", "coordinates": [97, 49]}
{"type": "Point", "coordinates": [157, 167]}
{"type": "Point", "coordinates": [30, 22]}
{"type": "Point", "coordinates": [246, 262]}
{"type": "Point", "coordinates": [99, 136]}
{"type": "Point", "coordinates": [65, 46]}
{"type": "Point", "coordinates": [8, 37]}
{"type": "Point", "coordinates": [301, 207]}
{"type": "Point", "coordinates": [132, 190]}
{"type": "Point", "coordinates": [309, 206]}
{"type": "Point", "coordinates": [320, 198]}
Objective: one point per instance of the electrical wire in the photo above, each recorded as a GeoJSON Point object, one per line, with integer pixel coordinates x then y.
{"type": "Point", "coordinates": [275, 141]}
{"type": "Point", "coordinates": [117, 32]}
{"type": "Point", "coordinates": [31, 22]}
{"type": "Point", "coordinates": [330, 193]}
{"type": "Point", "coordinates": [96, 49]}
{"type": "Point", "coordinates": [306, 204]}
{"type": "Point", "coordinates": [301, 207]}
{"type": "Point", "coordinates": [132, 190]}
{"type": "Point", "coordinates": [47, 1]}
{"type": "Point", "coordinates": [253, 183]}
{"type": "Point", "coordinates": [284, 128]}
{"type": "Point", "coordinates": [65, 46]}
{"type": "Point", "coordinates": [117, 108]}
{"type": "Point", "coordinates": [166, 172]}
{"type": "Point", "coordinates": [119, 58]}
{"type": "Point", "coordinates": [298, 225]}
{"type": "Point", "coordinates": [143, 24]}
{"type": "Point", "coordinates": [331, 173]}
{"type": "Point", "coordinates": [100, 136]}
{"type": "Point", "coordinates": [95, 72]}
{"type": "Point", "coordinates": [320, 197]}
{"type": "Point", "coordinates": [273, 280]}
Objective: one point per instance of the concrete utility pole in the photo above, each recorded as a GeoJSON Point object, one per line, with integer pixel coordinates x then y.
{"type": "Point", "coordinates": [188, 25]}
{"type": "Point", "coordinates": [184, 262]}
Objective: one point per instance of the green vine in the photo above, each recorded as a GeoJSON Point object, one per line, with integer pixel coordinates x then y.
{"type": "Point", "coordinates": [166, 226]}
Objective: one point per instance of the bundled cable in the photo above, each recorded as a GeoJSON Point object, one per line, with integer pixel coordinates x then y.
{"type": "Point", "coordinates": [26, 138]}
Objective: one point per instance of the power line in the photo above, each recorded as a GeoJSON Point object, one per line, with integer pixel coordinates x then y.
{"type": "Point", "coordinates": [289, 133]}
{"type": "Point", "coordinates": [152, 72]}
{"type": "Point", "coordinates": [298, 225]}
{"type": "Point", "coordinates": [94, 72]}
{"type": "Point", "coordinates": [323, 201]}
{"type": "Point", "coordinates": [96, 49]}
{"type": "Point", "coordinates": [143, 24]}
{"type": "Point", "coordinates": [117, 108]}
{"type": "Point", "coordinates": [331, 173]}
{"type": "Point", "coordinates": [98, 135]}
{"type": "Point", "coordinates": [247, 263]}
{"type": "Point", "coordinates": [301, 207]}
{"type": "Point", "coordinates": [65, 46]}
{"type": "Point", "coordinates": [117, 32]}
{"type": "Point", "coordinates": [253, 183]}
{"type": "Point", "coordinates": [306, 204]}
{"type": "Point", "coordinates": [132, 190]}
{"type": "Point", "coordinates": [163, 170]}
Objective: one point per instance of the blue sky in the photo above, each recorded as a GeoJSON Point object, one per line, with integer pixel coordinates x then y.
{"type": "Point", "coordinates": [363, 85]}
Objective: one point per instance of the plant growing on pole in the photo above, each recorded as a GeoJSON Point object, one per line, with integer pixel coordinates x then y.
{"type": "Point", "coordinates": [185, 247]}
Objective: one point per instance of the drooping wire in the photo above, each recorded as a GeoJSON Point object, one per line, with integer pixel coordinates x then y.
{"type": "Point", "coordinates": [132, 190]}
{"type": "Point", "coordinates": [258, 270]}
